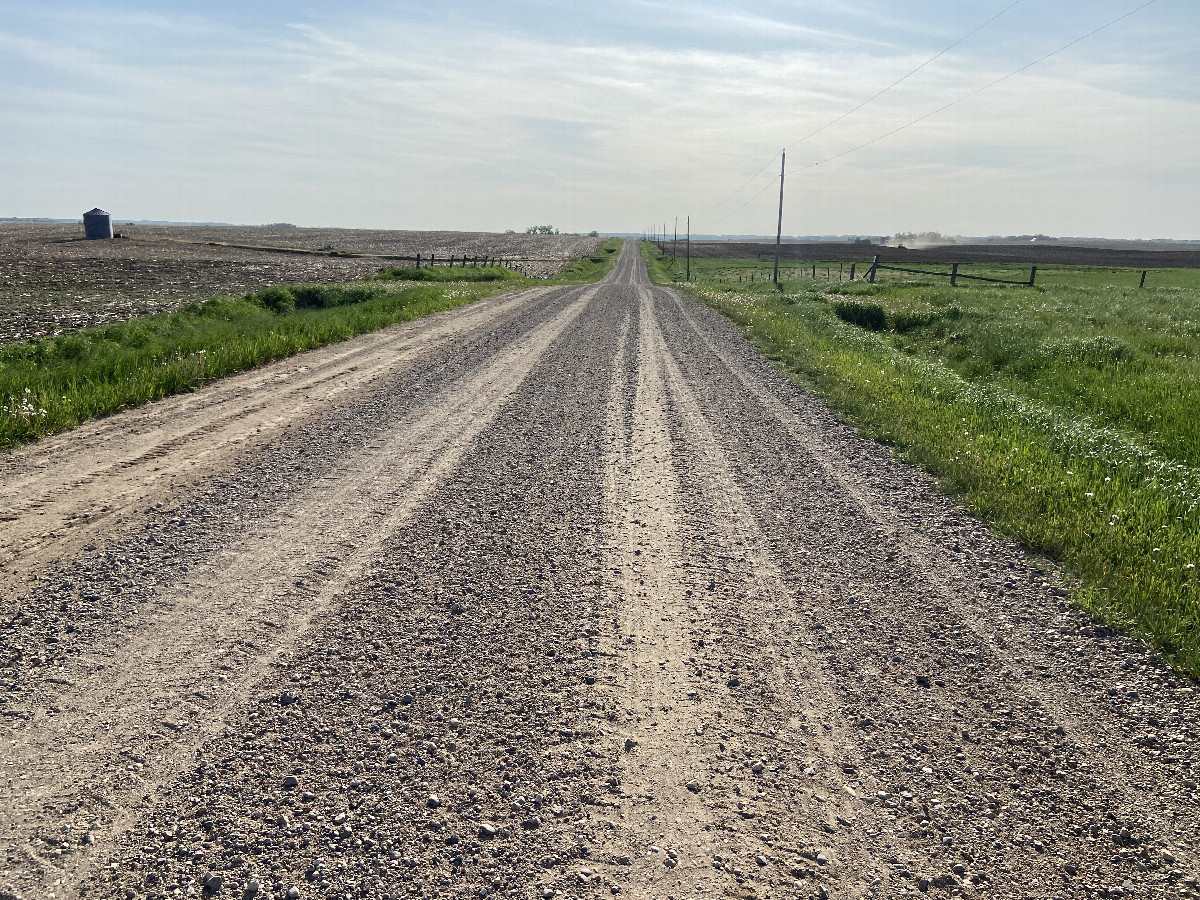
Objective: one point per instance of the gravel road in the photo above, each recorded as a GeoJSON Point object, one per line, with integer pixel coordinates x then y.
{"type": "Point", "coordinates": [563, 594]}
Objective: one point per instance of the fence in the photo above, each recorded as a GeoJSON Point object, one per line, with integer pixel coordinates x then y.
{"type": "Point", "coordinates": [432, 260]}
{"type": "Point", "coordinates": [465, 261]}
{"type": "Point", "coordinates": [954, 275]}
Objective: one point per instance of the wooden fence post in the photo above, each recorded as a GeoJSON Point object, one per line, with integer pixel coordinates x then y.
{"type": "Point", "coordinates": [418, 260]}
{"type": "Point", "coordinates": [1143, 284]}
{"type": "Point", "coordinates": [853, 266]}
{"type": "Point", "coordinates": [874, 267]}
{"type": "Point", "coordinates": [1032, 275]}
{"type": "Point", "coordinates": [954, 275]}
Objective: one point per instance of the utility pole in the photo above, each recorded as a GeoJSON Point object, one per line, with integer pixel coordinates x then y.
{"type": "Point", "coordinates": [675, 242]}
{"type": "Point", "coordinates": [689, 248]}
{"type": "Point", "coordinates": [779, 225]}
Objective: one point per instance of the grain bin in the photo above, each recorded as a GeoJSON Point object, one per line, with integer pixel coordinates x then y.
{"type": "Point", "coordinates": [97, 225]}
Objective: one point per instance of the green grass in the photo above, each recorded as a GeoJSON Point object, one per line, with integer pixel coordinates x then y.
{"type": "Point", "coordinates": [443, 274]}
{"type": "Point", "coordinates": [56, 383]}
{"type": "Point", "coordinates": [1066, 415]}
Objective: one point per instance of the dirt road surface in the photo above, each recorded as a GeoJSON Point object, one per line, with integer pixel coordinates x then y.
{"type": "Point", "coordinates": [564, 594]}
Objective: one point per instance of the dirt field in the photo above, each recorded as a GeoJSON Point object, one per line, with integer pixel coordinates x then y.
{"type": "Point", "coordinates": [1029, 254]}
{"type": "Point", "coordinates": [563, 594]}
{"type": "Point", "coordinates": [52, 280]}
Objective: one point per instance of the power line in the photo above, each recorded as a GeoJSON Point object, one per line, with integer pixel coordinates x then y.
{"type": "Point", "coordinates": [947, 106]}
{"type": "Point", "coordinates": [870, 99]}
{"type": "Point", "coordinates": [978, 91]}
{"type": "Point", "coordinates": [905, 78]}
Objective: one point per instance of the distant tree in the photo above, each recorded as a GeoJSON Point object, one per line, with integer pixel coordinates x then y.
{"type": "Point", "coordinates": [920, 237]}
{"type": "Point", "coordinates": [593, 234]}
{"type": "Point", "coordinates": [541, 229]}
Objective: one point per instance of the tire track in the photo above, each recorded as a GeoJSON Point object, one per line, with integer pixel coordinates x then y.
{"type": "Point", "coordinates": [61, 492]}
{"type": "Point", "coordinates": [457, 668]}
{"type": "Point", "coordinates": [730, 773]}
{"type": "Point", "coordinates": [237, 615]}
{"type": "Point", "coordinates": [1002, 752]}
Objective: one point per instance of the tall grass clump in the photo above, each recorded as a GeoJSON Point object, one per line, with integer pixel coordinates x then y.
{"type": "Point", "coordinates": [442, 273]}
{"type": "Point", "coordinates": [862, 313]}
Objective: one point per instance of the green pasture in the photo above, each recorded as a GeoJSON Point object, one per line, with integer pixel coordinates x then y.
{"type": "Point", "coordinates": [751, 271]}
{"type": "Point", "coordinates": [1067, 415]}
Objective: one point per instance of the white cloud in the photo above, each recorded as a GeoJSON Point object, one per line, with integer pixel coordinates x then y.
{"type": "Point", "coordinates": [393, 123]}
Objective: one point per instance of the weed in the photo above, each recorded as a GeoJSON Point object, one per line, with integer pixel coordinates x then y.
{"type": "Point", "coordinates": [862, 313]}
{"type": "Point", "coordinates": [276, 299]}
{"type": "Point", "coordinates": [1098, 352]}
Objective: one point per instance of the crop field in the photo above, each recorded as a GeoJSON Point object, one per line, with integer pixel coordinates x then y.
{"type": "Point", "coordinates": [53, 281]}
{"type": "Point", "coordinates": [1067, 415]}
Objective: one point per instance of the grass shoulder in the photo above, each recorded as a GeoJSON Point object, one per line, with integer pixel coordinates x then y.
{"type": "Point", "coordinates": [591, 268]}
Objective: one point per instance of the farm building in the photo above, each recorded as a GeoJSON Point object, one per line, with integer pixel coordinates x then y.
{"type": "Point", "coordinates": [97, 225]}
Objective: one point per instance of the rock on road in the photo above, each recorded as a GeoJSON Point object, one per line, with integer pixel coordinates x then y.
{"type": "Point", "coordinates": [563, 594]}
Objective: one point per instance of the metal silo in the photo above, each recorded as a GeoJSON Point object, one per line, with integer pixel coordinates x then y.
{"type": "Point", "coordinates": [97, 224]}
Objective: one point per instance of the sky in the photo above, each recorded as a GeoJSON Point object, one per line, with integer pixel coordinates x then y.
{"type": "Point", "coordinates": [611, 116]}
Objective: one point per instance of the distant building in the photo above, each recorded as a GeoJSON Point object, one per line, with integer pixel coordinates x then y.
{"type": "Point", "coordinates": [97, 225]}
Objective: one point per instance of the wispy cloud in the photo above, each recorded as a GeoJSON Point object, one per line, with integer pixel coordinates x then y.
{"type": "Point", "coordinates": [476, 120]}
